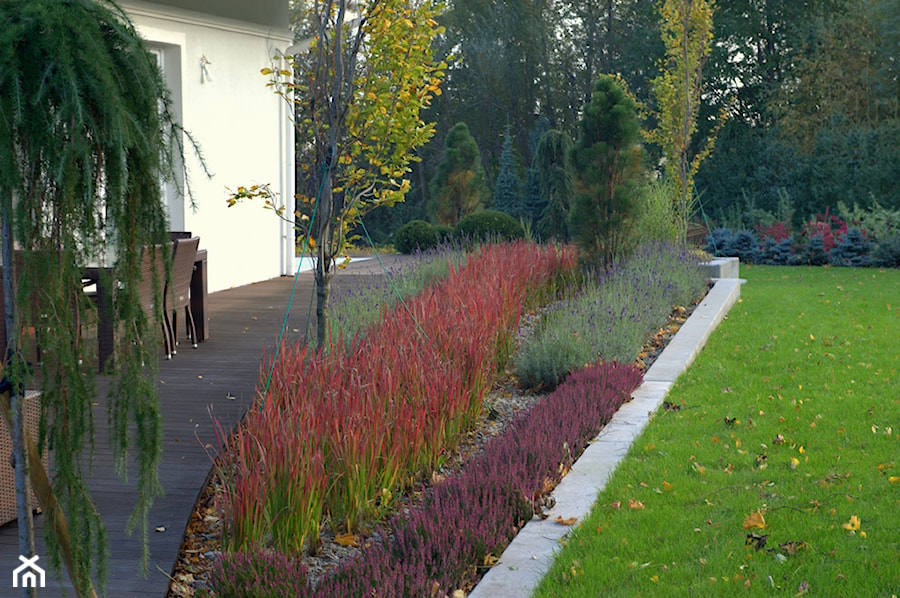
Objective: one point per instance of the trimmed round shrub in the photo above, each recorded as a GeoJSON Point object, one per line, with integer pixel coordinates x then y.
{"type": "Point", "coordinates": [445, 233]}
{"type": "Point", "coordinates": [489, 225]}
{"type": "Point", "coordinates": [415, 235]}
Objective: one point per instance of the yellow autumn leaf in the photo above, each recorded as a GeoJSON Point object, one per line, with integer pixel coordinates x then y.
{"type": "Point", "coordinates": [754, 520]}
{"type": "Point", "coordinates": [894, 479]}
{"type": "Point", "coordinates": [635, 504]}
{"type": "Point", "coordinates": [667, 486]}
{"type": "Point", "coordinates": [852, 525]}
{"type": "Point", "coordinates": [346, 540]}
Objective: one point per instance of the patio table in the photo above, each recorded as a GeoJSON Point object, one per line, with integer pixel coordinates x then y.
{"type": "Point", "coordinates": [106, 341]}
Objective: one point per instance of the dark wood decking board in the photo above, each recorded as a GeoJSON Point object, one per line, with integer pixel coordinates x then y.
{"type": "Point", "coordinates": [218, 378]}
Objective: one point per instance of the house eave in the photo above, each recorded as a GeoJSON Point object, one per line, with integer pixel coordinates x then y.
{"type": "Point", "coordinates": [277, 30]}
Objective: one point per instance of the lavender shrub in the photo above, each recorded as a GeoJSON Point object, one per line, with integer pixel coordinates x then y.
{"type": "Point", "coordinates": [356, 309]}
{"type": "Point", "coordinates": [612, 316]}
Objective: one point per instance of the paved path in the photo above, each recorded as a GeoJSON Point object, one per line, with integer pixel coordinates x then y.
{"type": "Point", "coordinates": [217, 379]}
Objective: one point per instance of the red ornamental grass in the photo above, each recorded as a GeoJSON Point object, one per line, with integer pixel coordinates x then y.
{"type": "Point", "coordinates": [340, 431]}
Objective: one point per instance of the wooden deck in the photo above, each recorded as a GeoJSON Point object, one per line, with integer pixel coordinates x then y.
{"type": "Point", "coordinates": [217, 380]}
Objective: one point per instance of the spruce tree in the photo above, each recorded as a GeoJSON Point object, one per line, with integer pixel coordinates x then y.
{"type": "Point", "coordinates": [508, 188]}
{"type": "Point", "coordinates": [606, 162]}
{"type": "Point", "coordinates": [555, 180]}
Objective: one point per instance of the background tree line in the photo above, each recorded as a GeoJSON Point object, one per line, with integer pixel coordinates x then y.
{"type": "Point", "coordinates": [811, 90]}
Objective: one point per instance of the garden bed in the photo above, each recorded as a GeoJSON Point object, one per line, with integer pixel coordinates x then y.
{"type": "Point", "coordinates": [503, 405]}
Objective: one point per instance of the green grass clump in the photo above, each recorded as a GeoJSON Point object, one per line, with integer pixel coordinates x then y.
{"type": "Point", "coordinates": [790, 419]}
{"type": "Point", "coordinates": [611, 316]}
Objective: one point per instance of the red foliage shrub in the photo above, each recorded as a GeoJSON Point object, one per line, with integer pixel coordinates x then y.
{"type": "Point", "coordinates": [829, 227]}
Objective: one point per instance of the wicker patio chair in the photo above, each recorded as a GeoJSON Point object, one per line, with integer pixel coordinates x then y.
{"type": "Point", "coordinates": [178, 291]}
{"type": "Point", "coordinates": [153, 277]}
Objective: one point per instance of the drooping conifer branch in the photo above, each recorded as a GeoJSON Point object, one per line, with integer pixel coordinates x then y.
{"type": "Point", "coordinates": [86, 140]}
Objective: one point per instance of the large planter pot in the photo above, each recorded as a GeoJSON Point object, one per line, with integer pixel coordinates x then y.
{"type": "Point", "coordinates": [8, 511]}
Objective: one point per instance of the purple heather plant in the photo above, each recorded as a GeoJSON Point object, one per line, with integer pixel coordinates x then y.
{"type": "Point", "coordinates": [257, 573]}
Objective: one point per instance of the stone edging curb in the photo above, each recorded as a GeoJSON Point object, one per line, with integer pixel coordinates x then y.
{"type": "Point", "coordinates": [529, 555]}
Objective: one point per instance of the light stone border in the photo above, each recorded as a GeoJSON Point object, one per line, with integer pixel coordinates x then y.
{"type": "Point", "coordinates": [529, 555]}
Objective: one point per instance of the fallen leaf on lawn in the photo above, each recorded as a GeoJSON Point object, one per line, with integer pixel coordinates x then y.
{"type": "Point", "coordinates": [756, 541]}
{"type": "Point", "coordinates": [778, 439]}
{"type": "Point", "coordinates": [616, 504]}
{"type": "Point", "coordinates": [852, 525]}
{"type": "Point", "coordinates": [792, 548]}
{"type": "Point", "coordinates": [568, 521]}
{"type": "Point", "coordinates": [754, 521]}
{"type": "Point", "coordinates": [894, 479]}
{"type": "Point", "coordinates": [669, 406]}
{"type": "Point", "coordinates": [346, 540]}
{"type": "Point", "coordinates": [667, 486]}
{"type": "Point", "coordinates": [635, 504]}
{"type": "Point", "coordinates": [804, 588]}
{"type": "Point", "coordinates": [795, 462]}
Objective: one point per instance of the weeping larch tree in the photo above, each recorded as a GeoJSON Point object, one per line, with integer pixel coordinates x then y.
{"type": "Point", "coordinates": [86, 140]}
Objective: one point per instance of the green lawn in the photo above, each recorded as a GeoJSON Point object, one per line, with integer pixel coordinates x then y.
{"type": "Point", "coordinates": [790, 421]}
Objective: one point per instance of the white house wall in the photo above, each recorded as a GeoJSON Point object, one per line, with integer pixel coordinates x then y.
{"type": "Point", "coordinates": [243, 131]}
